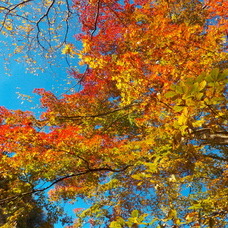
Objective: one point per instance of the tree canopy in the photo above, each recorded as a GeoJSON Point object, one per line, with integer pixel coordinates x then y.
{"type": "Point", "coordinates": [144, 140]}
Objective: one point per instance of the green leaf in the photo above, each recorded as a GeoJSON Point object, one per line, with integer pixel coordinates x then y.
{"type": "Point", "coordinates": [120, 221]}
{"type": "Point", "coordinates": [178, 108]}
{"type": "Point", "coordinates": [202, 85]}
{"type": "Point", "coordinates": [190, 81]}
{"type": "Point", "coordinates": [135, 213]}
{"type": "Point", "coordinates": [115, 224]}
{"type": "Point", "coordinates": [223, 75]}
{"type": "Point", "coordinates": [179, 89]}
{"type": "Point", "coordinates": [173, 87]}
{"type": "Point", "coordinates": [201, 77]}
{"type": "Point", "coordinates": [199, 96]}
{"type": "Point", "coordinates": [137, 176]}
{"type": "Point", "coordinates": [195, 207]}
{"type": "Point", "coordinates": [215, 73]}
{"type": "Point", "coordinates": [195, 88]}
{"type": "Point", "coordinates": [209, 78]}
{"type": "Point", "coordinates": [170, 94]}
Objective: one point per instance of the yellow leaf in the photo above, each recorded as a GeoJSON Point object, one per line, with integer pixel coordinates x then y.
{"type": "Point", "coordinates": [8, 26]}
{"type": "Point", "coordinates": [69, 50]}
{"type": "Point", "coordinates": [182, 119]}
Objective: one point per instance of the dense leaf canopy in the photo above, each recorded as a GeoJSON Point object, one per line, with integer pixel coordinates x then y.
{"type": "Point", "coordinates": [145, 139]}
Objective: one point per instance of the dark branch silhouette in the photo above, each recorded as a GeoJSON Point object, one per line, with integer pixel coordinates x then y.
{"type": "Point", "coordinates": [90, 170]}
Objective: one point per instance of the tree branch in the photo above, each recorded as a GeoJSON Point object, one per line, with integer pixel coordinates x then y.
{"type": "Point", "coordinates": [93, 116]}
{"type": "Point", "coordinates": [34, 191]}
{"type": "Point", "coordinates": [40, 19]}
{"type": "Point", "coordinates": [212, 138]}
{"type": "Point", "coordinates": [215, 157]}
{"type": "Point", "coordinates": [96, 18]}
{"type": "Point", "coordinates": [9, 9]}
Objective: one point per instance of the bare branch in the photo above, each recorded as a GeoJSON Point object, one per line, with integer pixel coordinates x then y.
{"type": "Point", "coordinates": [39, 21]}
{"type": "Point", "coordinates": [67, 22]}
{"type": "Point", "coordinates": [10, 9]}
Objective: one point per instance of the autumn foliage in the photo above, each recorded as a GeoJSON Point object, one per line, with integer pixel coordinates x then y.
{"type": "Point", "coordinates": [145, 139]}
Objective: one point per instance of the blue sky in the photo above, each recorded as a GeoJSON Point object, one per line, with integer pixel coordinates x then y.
{"type": "Point", "coordinates": [14, 75]}
{"type": "Point", "coordinates": [17, 85]}
{"type": "Point", "coordinates": [16, 80]}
